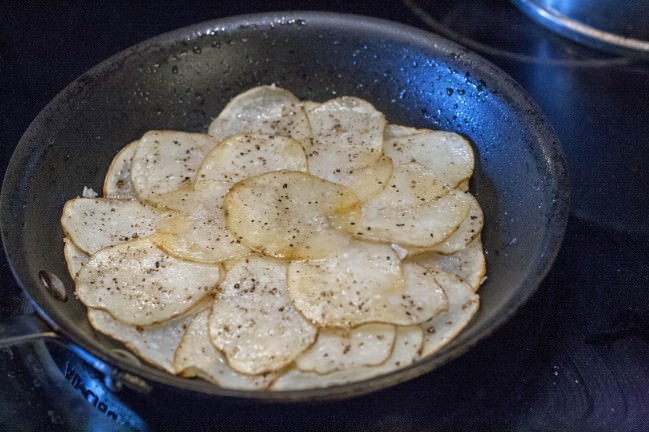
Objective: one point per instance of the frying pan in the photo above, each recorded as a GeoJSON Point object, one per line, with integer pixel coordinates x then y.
{"type": "Point", "coordinates": [181, 80]}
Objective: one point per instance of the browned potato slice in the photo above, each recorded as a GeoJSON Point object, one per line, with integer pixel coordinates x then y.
{"type": "Point", "coordinates": [364, 283]}
{"type": "Point", "coordinates": [141, 285]}
{"type": "Point", "coordinates": [266, 110]}
{"type": "Point", "coordinates": [253, 321]}
{"type": "Point", "coordinates": [290, 214]}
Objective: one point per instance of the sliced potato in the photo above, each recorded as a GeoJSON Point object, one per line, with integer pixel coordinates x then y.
{"type": "Point", "coordinates": [446, 154]}
{"type": "Point", "coordinates": [364, 283]}
{"type": "Point", "coordinates": [164, 161]}
{"type": "Point", "coordinates": [414, 209]}
{"type": "Point", "coordinates": [75, 258]}
{"type": "Point", "coordinates": [290, 214]}
{"type": "Point", "coordinates": [347, 134]}
{"type": "Point", "coordinates": [463, 303]}
{"type": "Point", "coordinates": [468, 263]}
{"type": "Point", "coordinates": [199, 232]}
{"type": "Point", "coordinates": [266, 110]}
{"type": "Point", "coordinates": [368, 181]}
{"type": "Point", "coordinates": [201, 240]}
{"type": "Point", "coordinates": [241, 156]}
{"type": "Point", "coordinates": [309, 105]}
{"type": "Point", "coordinates": [393, 131]}
{"type": "Point", "coordinates": [196, 356]}
{"type": "Point", "coordinates": [155, 344]}
{"type": "Point", "coordinates": [199, 201]}
{"type": "Point", "coordinates": [117, 183]}
{"type": "Point", "coordinates": [368, 344]}
{"type": "Point", "coordinates": [463, 185]}
{"type": "Point", "coordinates": [408, 344]}
{"type": "Point", "coordinates": [141, 285]}
{"type": "Point", "coordinates": [95, 223]}
{"type": "Point", "coordinates": [468, 230]}
{"type": "Point", "coordinates": [253, 321]}
{"type": "Point", "coordinates": [406, 349]}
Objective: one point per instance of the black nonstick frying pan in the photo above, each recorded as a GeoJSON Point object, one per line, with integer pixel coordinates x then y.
{"type": "Point", "coordinates": [182, 79]}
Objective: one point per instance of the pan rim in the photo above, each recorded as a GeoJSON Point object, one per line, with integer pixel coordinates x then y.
{"type": "Point", "coordinates": [390, 30]}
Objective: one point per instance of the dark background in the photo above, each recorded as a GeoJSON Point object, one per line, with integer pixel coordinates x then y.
{"type": "Point", "coordinates": [574, 358]}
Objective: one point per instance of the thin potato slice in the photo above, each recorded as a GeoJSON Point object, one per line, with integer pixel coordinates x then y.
{"type": "Point", "coordinates": [406, 349]}
{"type": "Point", "coordinates": [247, 155]}
{"type": "Point", "coordinates": [393, 131]}
{"type": "Point", "coordinates": [202, 240]}
{"type": "Point", "coordinates": [414, 209]}
{"type": "Point", "coordinates": [253, 321]}
{"type": "Point", "coordinates": [364, 283]}
{"type": "Point", "coordinates": [446, 154]}
{"type": "Point", "coordinates": [164, 161]}
{"type": "Point", "coordinates": [463, 303]}
{"type": "Point", "coordinates": [369, 344]}
{"type": "Point", "coordinates": [75, 258]}
{"type": "Point", "coordinates": [156, 344]}
{"type": "Point", "coordinates": [467, 263]}
{"type": "Point", "coordinates": [368, 181]}
{"type": "Point", "coordinates": [117, 183]}
{"type": "Point", "coordinates": [139, 284]}
{"type": "Point", "coordinates": [95, 223]}
{"type": "Point", "coordinates": [290, 214]}
{"type": "Point", "coordinates": [309, 105]}
{"type": "Point", "coordinates": [196, 356]}
{"type": "Point", "coordinates": [266, 110]}
{"type": "Point", "coordinates": [347, 134]}
{"type": "Point", "coordinates": [199, 232]}
{"type": "Point", "coordinates": [408, 344]}
{"type": "Point", "coordinates": [199, 201]}
{"type": "Point", "coordinates": [468, 230]}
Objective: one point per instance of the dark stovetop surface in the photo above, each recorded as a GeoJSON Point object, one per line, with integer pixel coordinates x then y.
{"type": "Point", "coordinates": [575, 357]}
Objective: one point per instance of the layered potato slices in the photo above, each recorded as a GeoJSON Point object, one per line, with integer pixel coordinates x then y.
{"type": "Point", "coordinates": [295, 245]}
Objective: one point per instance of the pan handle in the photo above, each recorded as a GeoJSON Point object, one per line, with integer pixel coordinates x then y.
{"type": "Point", "coordinates": [23, 329]}
{"type": "Point", "coordinates": [31, 328]}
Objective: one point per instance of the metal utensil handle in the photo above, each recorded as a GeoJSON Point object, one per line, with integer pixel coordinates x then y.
{"type": "Point", "coordinates": [26, 328]}
{"type": "Point", "coordinates": [31, 328]}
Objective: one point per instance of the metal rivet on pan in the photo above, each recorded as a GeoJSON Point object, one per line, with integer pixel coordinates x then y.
{"type": "Point", "coordinates": [53, 285]}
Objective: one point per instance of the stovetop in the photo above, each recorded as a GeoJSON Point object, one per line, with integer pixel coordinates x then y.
{"type": "Point", "coordinates": [575, 357]}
